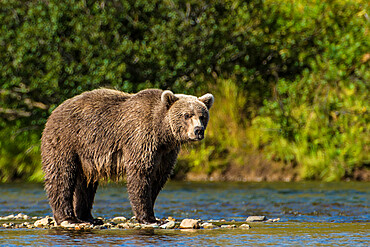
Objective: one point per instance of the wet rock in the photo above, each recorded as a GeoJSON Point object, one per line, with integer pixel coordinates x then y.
{"type": "Point", "coordinates": [82, 226]}
{"type": "Point", "coordinates": [215, 221]}
{"type": "Point", "coordinates": [44, 222]}
{"type": "Point", "coordinates": [119, 219]}
{"type": "Point", "coordinates": [109, 224]}
{"type": "Point", "coordinates": [273, 220]}
{"type": "Point", "coordinates": [137, 226]}
{"type": "Point", "coordinates": [22, 225]}
{"type": "Point", "coordinates": [76, 226]}
{"type": "Point", "coordinates": [66, 224]}
{"type": "Point", "coordinates": [208, 225]}
{"type": "Point", "coordinates": [124, 225]}
{"type": "Point", "coordinates": [99, 219]}
{"type": "Point", "coordinates": [228, 226]}
{"type": "Point", "coordinates": [86, 226]}
{"type": "Point", "coordinates": [189, 224]}
{"type": "Point", "coordinates": [8, 225]}
{"type": "Point", "coordinates": [30, 225]}
{"type": "Point", "coordinates": [9, 217]}
{"type": "Point", "coordinates": [100, 227]}
{"type": "Point", "coordinates": [149, 226]}
{"type": "Point", "coordinates": [21, 216]}
{"type": "Point", "coordinates": [129, 225]}
{"type": "Point", "coordinates": [169, 225]}
{"type": "Point", "coordinates": [256, 218]}
{"type": "Point", "coordinates": [245, 226]}
{"type": "Point", "coordinates": [133, 219]}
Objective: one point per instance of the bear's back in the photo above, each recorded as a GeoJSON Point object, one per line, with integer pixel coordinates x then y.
{"type": "Point", "coordinates": [101, 96]}
{"type": "Point", "coordinates": [96, 113]}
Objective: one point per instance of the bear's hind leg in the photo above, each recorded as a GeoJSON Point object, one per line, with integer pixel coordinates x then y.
{"type": "Point", "coordinates": [83, 200]}
{"type": "Point", "coordinates": [60, 182]}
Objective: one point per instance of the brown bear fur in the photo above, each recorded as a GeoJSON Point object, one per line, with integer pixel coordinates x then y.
{"type": "Point", "coordinates": [105, 134]}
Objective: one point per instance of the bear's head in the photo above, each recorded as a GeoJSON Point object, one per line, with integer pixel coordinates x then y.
{"type": "Point", "coordinates": [188, 115]}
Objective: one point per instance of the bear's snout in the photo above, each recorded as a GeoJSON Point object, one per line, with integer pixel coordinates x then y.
{"type": "Point", "coordinates": [199, 132]}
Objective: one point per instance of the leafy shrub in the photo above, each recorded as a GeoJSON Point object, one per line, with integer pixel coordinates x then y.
{"type": "Point", "coordinates": [19, 155]}
{"type": "Point", "coordinates": [53, 50]}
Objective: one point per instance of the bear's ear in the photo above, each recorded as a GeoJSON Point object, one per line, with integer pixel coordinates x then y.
{"type": "Point", "coordinates": [168, 98]}
{"type": "Point", "coordinates": [207, 99]}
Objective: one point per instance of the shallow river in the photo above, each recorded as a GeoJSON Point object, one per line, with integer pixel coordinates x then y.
{"type": "Point", "coordinates": [310, 213]}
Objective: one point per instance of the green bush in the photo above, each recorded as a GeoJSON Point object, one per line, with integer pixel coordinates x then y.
{"type": "Point", "coordinates": [318, 120]}
{"type": "Point", "coordinates": [327, 135]}
{"type": "Point", "coordinates": [19, 155]}
{"type": "Point", "coordinates": [53, 50]}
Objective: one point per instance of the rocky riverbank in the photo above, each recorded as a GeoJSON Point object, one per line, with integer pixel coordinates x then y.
{"type": "Point", "coordinates": [24, 221]}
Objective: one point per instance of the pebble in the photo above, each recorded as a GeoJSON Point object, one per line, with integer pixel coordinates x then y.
{"type": "Point", "coordinates": [44, 222]}
{"type": "Point", "coordinates": [109, 224]}
{"type": "Point", "coordinates": [66, 224]}
{"type": "Point", "coordinates": [214, 221]}
{"type": "Point", "coordinates": [119, 219]}
{"type": "Point", "coordinates": [171, 218]}
{"type": "Point", "coordinates": [256, 218]}
{"type": "Point", "coordinates": [169, 225]}
{"type": "Point", "coordinates": [9, 217]}
{"type": "Point", "coordinates": [129, 225]}
{"type": "Point", "coordinates": [208, 226]}
{"type": "Point", "coordinates": [8, 225]}
{"type": "Point", "coordinates": [149, 226]}
{"type": "Point", "coordinates": [100, 227]}
{"type": "Point", "coordinates": [228, 226]}
{"type": "Point", "coordinates": [83, 226]}
{"type": "Point", "coordinates": [276, 220]}
{"type": "Point", "coordinates": [245, 226]}
{"type": "Point", "coordinates": [123, 223]}
{"type": "Point", "coordinates": [19, 216]}
{"type": "Point", "coordinates": [273, 220]}
{"type": "Point", "coordinates": [189, 224]}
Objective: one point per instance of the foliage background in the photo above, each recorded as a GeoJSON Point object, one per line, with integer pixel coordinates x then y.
{"type": "Point", "coordinates": [290, 78]}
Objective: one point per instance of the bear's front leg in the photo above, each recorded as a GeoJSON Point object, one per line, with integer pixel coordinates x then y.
{"type": "Point", "coordinates": [139, 191]}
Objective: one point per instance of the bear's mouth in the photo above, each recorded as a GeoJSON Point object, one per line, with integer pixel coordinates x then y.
{"type": "Point", "coordinates": [196, 138]}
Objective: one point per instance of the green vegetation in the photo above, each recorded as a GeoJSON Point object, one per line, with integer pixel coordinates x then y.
{"type": "Point", "coordinates": [291, 79]}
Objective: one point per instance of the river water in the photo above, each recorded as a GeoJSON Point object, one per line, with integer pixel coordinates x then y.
{"type": "Point", "coordinates": [311, 213]}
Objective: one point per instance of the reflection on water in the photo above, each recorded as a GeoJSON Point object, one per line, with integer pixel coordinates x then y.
{"type": "Point", "coordinates": [311, 213]}
{"type": "Point", "coordinates": [302, 202]}
{"type": "Point", "coordinates": [262, 234]}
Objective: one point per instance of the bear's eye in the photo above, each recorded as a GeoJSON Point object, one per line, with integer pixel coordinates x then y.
{"type": "Point", "coordinates": [187, 116]}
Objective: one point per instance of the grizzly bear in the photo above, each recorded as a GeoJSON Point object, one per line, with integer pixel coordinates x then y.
{"type": "Point", "coordinates": [106, 134]}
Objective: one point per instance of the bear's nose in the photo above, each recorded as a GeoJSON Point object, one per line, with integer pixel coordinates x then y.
{"type": "Point", "coordinates": [199, 132]}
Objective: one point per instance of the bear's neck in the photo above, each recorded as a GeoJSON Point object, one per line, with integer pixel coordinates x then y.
{"type": "Point", "coordinates": [166, 134]}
